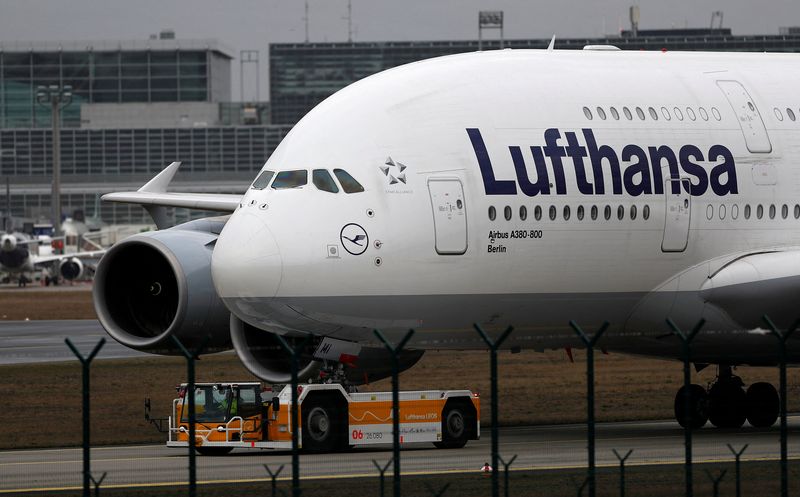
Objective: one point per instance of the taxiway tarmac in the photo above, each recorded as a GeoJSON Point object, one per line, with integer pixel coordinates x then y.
{"type": "Point", "coordinates": [24, 342]}
{"type": "Point", "coordinates": [539, 448]}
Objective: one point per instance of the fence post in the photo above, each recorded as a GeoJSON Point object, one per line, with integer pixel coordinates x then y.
{"type": "Point", "coordinates": [382, 471]}
{"type": "Point", "coordinates": [191, 357]}
{"type": "Point", "coordinates": [493, 346]}
{"type": "Point", "coordinates": [506, 465]}
{"type": "Point", "coordinates": [97, 484]}
{"type": "Point", "coordinates": [687, 396]}
{"type": "Point", "coordinates": [440, 492]}
{"type": "Point", "coordinates": [715, 481]}
{"type": "Point", "coordinates": [622, 460]}
{"type": "Point", "coordinates": [738, 456]}
{"type": "Point", "coordinates": [590, 343]}
{"type": "Point", "coordinates": [395, 351]}
{"type": "Point", "coordinates": [274, 477]}
{"type": "Point", "coordinates": [782, 338]}
{"type": "Point", "coordinates": [582, 486]}
{"type": "Point", "coordinates": [293, 353]}
{"type": "Point", "coordinates": [86, 363]}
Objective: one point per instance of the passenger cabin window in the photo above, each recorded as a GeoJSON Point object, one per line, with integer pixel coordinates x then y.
{"type": "Point", "coordinates": [263, 180]}
{"type": "Point", "coordinates": [323, 180]}
{"type": "Point", "coordinates": [349, 184]}
{"type": "Point", "coordinates": [290, 179]}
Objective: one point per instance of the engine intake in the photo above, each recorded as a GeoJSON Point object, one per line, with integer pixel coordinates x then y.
{"type": "Point", "coordinates": [153, 286]}
{"type": "Point", "coordinates": [71, 269]}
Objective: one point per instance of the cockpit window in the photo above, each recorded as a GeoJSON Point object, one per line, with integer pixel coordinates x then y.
{"type": "Point", "coordinates": [290, 179]}
{"type": "Point", "coordinates": [263, 180]}
{"type": "Point", "coordinates": [323, 180]}
{"type": "Point", "coordinates": [349, 183]}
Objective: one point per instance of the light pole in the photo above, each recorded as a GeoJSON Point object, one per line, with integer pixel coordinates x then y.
{"type": "Point", "coordinates": [57, 97]}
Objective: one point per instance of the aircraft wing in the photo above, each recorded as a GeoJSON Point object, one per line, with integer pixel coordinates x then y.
{"type": "Point", "coordinates": [154, 197]}
{"type": "Point", "coordinates": [219, 202]}
{"type": "Point", "coordinates": [38, 260]}
{"type": "Point", "coordinates": [753, 285]}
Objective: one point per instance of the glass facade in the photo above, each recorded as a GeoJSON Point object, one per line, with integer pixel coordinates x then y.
{"type": "Point", "coordinates": [92, 157]}
{"type": "Point", "coordinates": [304, 74]}
{"type": "Point", "coordinates": [102, 76]}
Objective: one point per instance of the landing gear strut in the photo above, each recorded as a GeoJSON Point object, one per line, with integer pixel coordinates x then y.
{"type": "Point", "coordinates": [727, 405]}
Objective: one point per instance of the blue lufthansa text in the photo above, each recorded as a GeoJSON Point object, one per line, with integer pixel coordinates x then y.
{"type": "Point", "coordinates": [636, 170]}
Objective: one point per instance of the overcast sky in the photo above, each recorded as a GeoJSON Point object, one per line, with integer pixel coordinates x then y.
{"type": "Point", "coordinates": [250, 24]}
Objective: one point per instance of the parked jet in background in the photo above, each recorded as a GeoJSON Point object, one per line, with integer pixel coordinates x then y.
{"type": "Point", "coordinates": [507, 187]}
{"type": "Point", "coordinates": [18, 263]}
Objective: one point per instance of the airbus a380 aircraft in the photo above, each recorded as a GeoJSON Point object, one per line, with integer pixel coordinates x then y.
{"type": "Point", "coordinates": [515, 187]}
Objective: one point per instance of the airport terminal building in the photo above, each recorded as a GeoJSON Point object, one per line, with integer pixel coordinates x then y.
{"type": "Point", "coordinates": [136, 106]}
{"type": "Point", "coordinates": [139, 105]}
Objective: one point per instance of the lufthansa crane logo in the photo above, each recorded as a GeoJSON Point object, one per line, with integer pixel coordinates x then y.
{"type": "Point", "coordinates": [354, 239]}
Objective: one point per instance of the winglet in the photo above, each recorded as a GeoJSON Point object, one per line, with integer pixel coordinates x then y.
{"type": "Point", "coordinates": [162, 180]}
{"type": "Point", "coordinates": [552, 44]}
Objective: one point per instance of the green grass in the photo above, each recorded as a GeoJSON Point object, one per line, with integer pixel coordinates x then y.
{"type": "Point", "coordinates": [760, 479]}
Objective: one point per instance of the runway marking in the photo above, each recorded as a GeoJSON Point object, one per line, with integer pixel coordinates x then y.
{"type": "Point", "coordinates": [373, 475]}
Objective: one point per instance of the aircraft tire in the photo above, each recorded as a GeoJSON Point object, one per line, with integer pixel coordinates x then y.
{"type": "Point", "coordinates": [763, 405]}
{"type": "Point", "coordinates": [213, 451]}
{"type": "Point", "coordinates": [727, 405]}
{"type": "Point", "coordinates": [698, 408]}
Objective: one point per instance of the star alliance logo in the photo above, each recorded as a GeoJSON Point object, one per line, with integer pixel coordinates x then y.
{"type": "Point", "coordinates": [394, 171]}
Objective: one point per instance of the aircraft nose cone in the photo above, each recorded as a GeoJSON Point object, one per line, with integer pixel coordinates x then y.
{"type": "Point", "coordinates": [246, 262]}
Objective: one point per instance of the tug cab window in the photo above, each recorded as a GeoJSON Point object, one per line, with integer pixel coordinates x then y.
{"type": "Point", "coordinates": [349, 184]}
{"type": "Point", "coordinates": [290, 179]}
{"type": "Point", "coordinates": [323, 180]}
{"type": "Point", "coordinates": [263, 180]}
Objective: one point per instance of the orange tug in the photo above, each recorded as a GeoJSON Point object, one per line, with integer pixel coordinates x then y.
{"type": "Point", "coordinates": [238, 415]}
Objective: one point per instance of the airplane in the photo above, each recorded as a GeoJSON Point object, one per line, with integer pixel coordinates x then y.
{"type": "Point", "coordinates": [513, 187]}
{"type": "Point", "coordinates": [17, 262]}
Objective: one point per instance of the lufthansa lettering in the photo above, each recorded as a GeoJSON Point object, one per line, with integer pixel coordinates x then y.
{"type": "Point", "coordinates": [636, 171]}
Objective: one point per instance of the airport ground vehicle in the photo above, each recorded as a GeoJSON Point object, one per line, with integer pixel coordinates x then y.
{"type": "Point", "coordinates": [241, 415]}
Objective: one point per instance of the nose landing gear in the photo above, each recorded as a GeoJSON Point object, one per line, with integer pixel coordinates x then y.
{"type": "Point", "coordinates": [727, 405]}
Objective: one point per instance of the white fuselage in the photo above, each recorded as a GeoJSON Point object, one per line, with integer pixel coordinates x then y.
{"type": "Point", "coordinates": [704, 170]}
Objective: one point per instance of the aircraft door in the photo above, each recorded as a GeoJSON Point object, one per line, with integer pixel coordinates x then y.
{"type": "Point", "coordinates": [678, 214]}
{"type": "Point", "coordinates": [449, 215]}
{"type": "Point", "coordinates": [753, 129]}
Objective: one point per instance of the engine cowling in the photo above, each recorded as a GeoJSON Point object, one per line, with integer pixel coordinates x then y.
{"type": "Point", "coordinates": [70, 269]}
{"type": "Point", "coordinates": [263, 355]}
{"type": "Point", "coordinates": [156, 285]}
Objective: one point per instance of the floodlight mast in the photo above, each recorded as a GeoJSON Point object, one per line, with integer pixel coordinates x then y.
{"type": "Point", "coordinates": [57, 97]}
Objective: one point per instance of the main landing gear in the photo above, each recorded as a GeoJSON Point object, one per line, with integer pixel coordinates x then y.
{"type": "Point", "coordinates": [726, 403]}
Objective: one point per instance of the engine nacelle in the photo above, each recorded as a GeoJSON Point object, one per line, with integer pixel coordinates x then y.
{"type": "Point", "coordinates": [70, 269]}
{"type": "Point", "coordinates": [156, 285]}
{"type": "Point", "coordinates": [262, 354]}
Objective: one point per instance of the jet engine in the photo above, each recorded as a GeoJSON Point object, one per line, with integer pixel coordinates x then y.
{"type": "Point", "coordinates": [70, 269]}
{"type": "Point", "coordinates": [263, 355]}
{"type": "Point", "coordinates": [153, 286]}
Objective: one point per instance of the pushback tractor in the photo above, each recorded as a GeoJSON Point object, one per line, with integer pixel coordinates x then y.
{"type": "Point", "coordinates": [243, 415]}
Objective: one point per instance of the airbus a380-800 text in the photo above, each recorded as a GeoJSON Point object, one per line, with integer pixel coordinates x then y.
{"type": "Point", "coordinates": [513, 187]}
